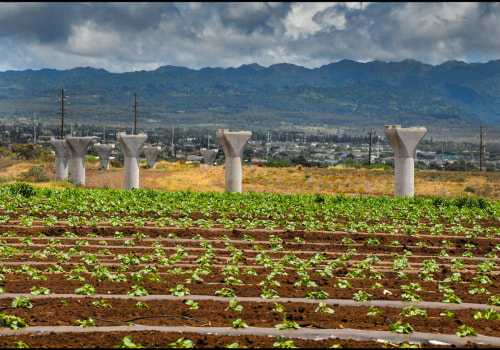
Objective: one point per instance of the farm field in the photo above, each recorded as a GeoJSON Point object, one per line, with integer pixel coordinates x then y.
{"type": "Point", "coordinates": [103, 268]}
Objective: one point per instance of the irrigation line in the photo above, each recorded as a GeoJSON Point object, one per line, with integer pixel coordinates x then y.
{"type": "Point", "coordinates": [156, 316]}
{"type": "Point", "coordinates": [303, 333]}
{"type": "Point", "coordinates": [146, 317]}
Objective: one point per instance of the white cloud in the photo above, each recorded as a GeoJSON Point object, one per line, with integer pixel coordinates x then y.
{"type": "Point", "coordinates": [89, 39]}
{"type": "Point", "coordinates": [300, 23]}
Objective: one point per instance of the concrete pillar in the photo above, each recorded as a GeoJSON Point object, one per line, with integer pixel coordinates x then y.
{"type": "Point", "coordinates": [233, 144]}
{"type": "Point", "coordinates": [209, 155]}
{"type": "Point", "coordinates": [404, 142]}
{"type": "Point", "coordinates": [62, 158]}
{"type": "Point", "coordinates": [78, 151]}
{"type": "Point", "coordinates": [131, 145]}
{"type": "Point", "coordinates": [104, 152]}
{"type": "Point", "coordinates": [151, 153]}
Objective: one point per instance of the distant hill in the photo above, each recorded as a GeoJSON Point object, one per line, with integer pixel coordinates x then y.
{"type": "Point", "coordinates": [345, 93]}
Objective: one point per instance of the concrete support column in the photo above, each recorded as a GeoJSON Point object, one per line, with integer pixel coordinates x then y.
{"type": "Point", "coordinates": [209, 155]}
{"type": "Point", "coordinates": [104, 152]}
{"type": "Point", "coordinates": [233, 144]}
{"type": "Point", "coordinates": [62, 158]}
{"type": "Point", "coordinates": [404, 142]}
{"type": "Point", "coordinates": [151, 153]}
{"type": "Point", "coordinates": [78, 150]}
{"type": "Point", "coordinates": [131, 145]}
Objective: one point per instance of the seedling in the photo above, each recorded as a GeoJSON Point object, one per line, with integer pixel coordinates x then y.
{"type": "Point", "coordinates": [20, 345]}
{"type": "Point", "coordinates": [129, 243]}
{"type": "Point", "coordinates": [282, 343]}
{"type": "Point", "coordinates": [348, 240]}
{"type": "Point", "coordinates": [278, 307]}
{"type": "Point", "coordinates": [322, 307]}
{"type": "Point", "coordinates": [192, 304]}
{"type": "Point", "coordinates": [141, 305]}
{"type": "Point", "coordinates": [488, 314]}
{"type": "Point", "coordinates": [232, 280]}
{"type": "Point", "coordinates": [126, 342]}
{"type": "Point", "coordinates": [412, 311]}
{"type": "Point", "coordinates": [12, 321]}
{"type": "Point", "coordinates": [233, 305]}
{"type": "Point", "coordinates": [305, 281]}
{"type": "Point", "coordinates": [399, 328]}
{"type": "Point", "coordinates": [361, 295]}
{"type": "Point", "coordinates": [455, 277]}
{"type": "Point", "coordinates": [238, 323]}
{"type": "Point", "coordinates": [87, 289]}
{"type": "Point", "coordinates": [372, 241]}
{"type": "Point", "coordinates": [22, 302]}
{"type": "Point", "coordinates": [40, 291]}
{"type": "Point", "coordinates": [465, 331]}
{"type": "Point", "coordinates": [137, 291]}
{"type": "Point", "coordinates": [373, 311]}
{"type": "Point", "coordinates": [225, 292]}
{"type": "Point", "coordinates": [101, 303]}
{"type": "Point", "coordinates": [413, 286]}
{"type": "Point", "coordinates": [494, 300]}
{"type": "Point", "coordinates": [269, 293]}
{"type": "Point", "coordinates": [447, 313]}
{"type": "Point", "coordinates": [344, 284]}
{"type": "Point", "coordinates": [411, 296]}
{"type": "Point", "coordinates": [182, 343]}
{"type": "Point", "coordinates": [451, 298]}
{"type": "Point", "coordinates": [478, 290]}
{"type": "Point", "coordinates": [285, 324]}
{"type": "Point", "coordinates": [89, 322]}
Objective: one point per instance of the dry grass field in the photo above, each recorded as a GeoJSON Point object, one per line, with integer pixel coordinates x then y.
{"type": "Point", "coordinates": [334, 180]}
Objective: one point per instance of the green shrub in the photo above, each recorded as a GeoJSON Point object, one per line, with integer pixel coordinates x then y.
{"type": "Point", "coordinates": [34, 174]}
{"type": "Point", "coordinates": [23, 189]}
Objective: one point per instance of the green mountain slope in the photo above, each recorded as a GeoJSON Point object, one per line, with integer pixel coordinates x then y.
{"type": "Point", "coordinates": [345, 93]}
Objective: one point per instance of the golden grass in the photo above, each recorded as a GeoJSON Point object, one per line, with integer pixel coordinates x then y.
{"type": "Point", "coordinates": [334, 180]}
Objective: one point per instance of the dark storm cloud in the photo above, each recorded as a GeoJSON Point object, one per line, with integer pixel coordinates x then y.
{"type": "Point", "coordinates": [52, 21]}
{"type": "Point", "coordinates": [134, 16]}
{"type": "Point", "coordinates": [252, 16]}
{"type": "Point", "coordinates": [46, 22]}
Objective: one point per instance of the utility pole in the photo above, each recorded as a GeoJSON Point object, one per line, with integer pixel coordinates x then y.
{"type": "Point", "coordinates": [34, 128]}
{"type": "Point", "coordinates": [62, 112]}
{"type": "Point", "coordinates": [135, 115]}
{"type": "Point", "coordinates": [268, 144]}
{"type": "Point", "coordinates": [370, 133]}
{"type": "Point", "coordinates": [173, 145]}
{"type": "Point", "coordinates": [480, 148]}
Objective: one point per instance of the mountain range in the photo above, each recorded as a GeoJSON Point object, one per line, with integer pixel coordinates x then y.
{"type": "Point", "coordinates": [351, 94]}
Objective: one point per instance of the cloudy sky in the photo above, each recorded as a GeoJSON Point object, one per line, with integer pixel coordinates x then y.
{"type": "Point", "coordinates": [134, 36]}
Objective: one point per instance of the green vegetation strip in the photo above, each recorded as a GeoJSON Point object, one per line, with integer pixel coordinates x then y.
{"type": "Point", "coordinates": [303, 210]}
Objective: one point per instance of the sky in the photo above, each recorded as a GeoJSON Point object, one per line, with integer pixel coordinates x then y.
{"type": "Point", "coordinates": [134, 36]}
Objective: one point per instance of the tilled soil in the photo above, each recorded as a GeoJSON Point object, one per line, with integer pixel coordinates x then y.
{"type": "Point", "coordinates": [264, 275]}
